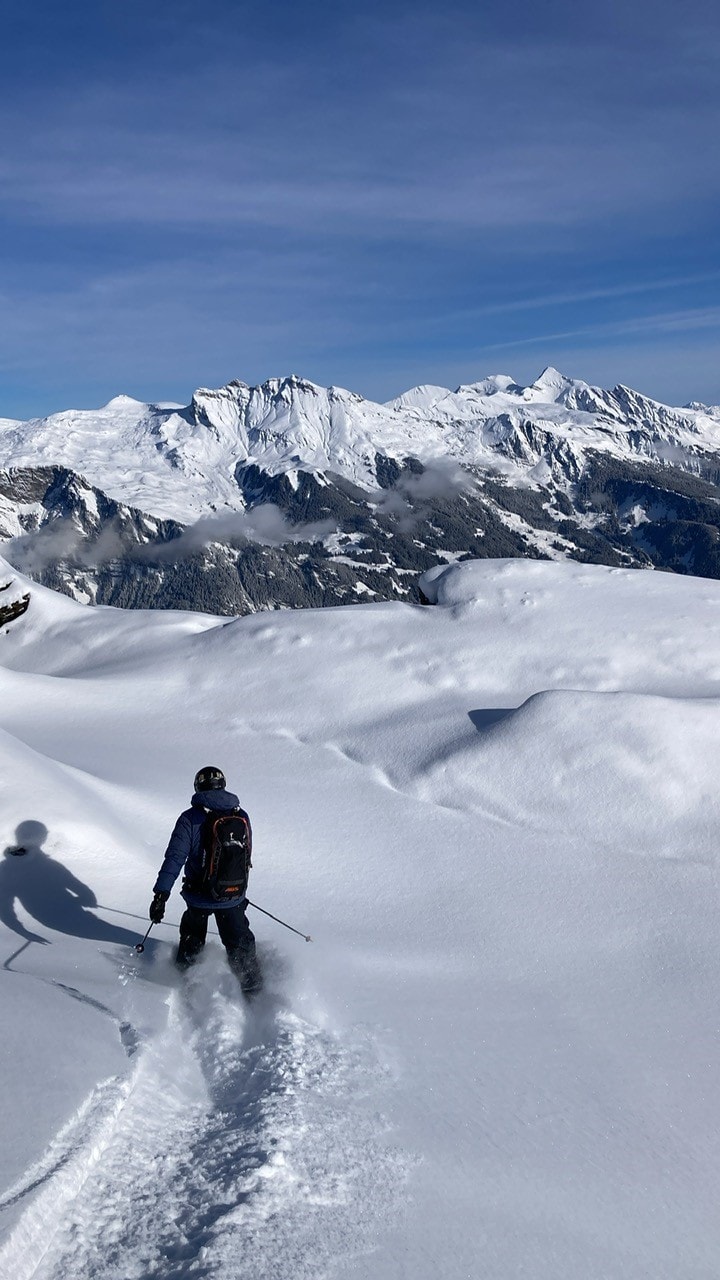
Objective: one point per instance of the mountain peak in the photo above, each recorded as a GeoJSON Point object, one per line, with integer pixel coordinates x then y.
{"type": "Point", "coordinates": [424, 396]}
{"type": "Point", "coordinates": [551, 379]}
{"type": "Point", "coordinates": [123, 402]}
{"type": "Point", "coordinates": [490, 386]}
{"type": "Point", "coordinates": [292, 383]}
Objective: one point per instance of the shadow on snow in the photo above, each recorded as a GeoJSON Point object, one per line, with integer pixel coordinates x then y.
{"type": "Point", "coordinates": [50, 893]}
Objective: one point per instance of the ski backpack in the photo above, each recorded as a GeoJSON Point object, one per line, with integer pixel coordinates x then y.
{"type": "Point", "coordinates": [226, 846]}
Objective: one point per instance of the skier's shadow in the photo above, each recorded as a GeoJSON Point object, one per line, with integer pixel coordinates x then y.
{"type": "Point", "coordinates": [47, 891]}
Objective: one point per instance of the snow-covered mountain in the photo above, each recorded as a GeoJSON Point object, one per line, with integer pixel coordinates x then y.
{"type": "Point", "coordinates": [374, 493]}
{"type": "Point", "coordinates": [498, 819]}
{"type": "Point", "coordinates": [181, 463]}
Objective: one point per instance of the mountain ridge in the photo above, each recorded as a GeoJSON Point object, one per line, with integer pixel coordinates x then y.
{"type": "Point", "coordinates": [289, 494]}
{"type": "Point", "coordinates": [180, 462]}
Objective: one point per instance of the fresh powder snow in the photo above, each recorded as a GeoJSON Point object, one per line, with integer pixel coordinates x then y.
{"type": "Point", "coordinates": [497, 817]}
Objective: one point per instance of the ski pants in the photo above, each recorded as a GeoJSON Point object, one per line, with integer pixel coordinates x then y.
{"type": "Point", "coordinates": [235, 935]}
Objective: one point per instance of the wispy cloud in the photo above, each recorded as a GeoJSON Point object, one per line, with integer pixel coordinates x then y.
{"type": "Point", "coordinates": [628, 289]}
{"type": "Point", "coordinates": [62, 540]}
{"type": "Point", "coordinates": [486, 135]}
{"type": "Point", "coordinates": [346, 191]}
{"type": "Point", "coordinates": [668, 322]}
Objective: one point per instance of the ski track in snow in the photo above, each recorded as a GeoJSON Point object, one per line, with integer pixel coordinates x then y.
{"type": "Point", "coordinates": [245, 1142]}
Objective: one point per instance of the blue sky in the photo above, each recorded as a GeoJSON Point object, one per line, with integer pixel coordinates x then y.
{"type": "Point", "coordinates": [371, 196]}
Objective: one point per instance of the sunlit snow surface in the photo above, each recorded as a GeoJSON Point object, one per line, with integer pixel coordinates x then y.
{"type": "Point", "coordinates": [498, 819]}
{"type": "Point", "coordinates": [183, 463]}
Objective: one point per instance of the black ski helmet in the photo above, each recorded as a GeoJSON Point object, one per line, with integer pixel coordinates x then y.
{"type": "Point", "coordinates": [209, 779]}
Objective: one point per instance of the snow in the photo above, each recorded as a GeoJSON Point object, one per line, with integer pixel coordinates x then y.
{"type": "Point", "coordinates": [181, 464]}
{"type": "Point", "coordinates": [496, 816]}
{"type": "Point", "coordinates": [124, 402]}
{"type": "Point", "coordinates": [424, 397]}
{"type": "Point", "coordinates": [89, 500]}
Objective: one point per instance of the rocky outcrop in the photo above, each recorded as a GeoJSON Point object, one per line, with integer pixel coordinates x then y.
{"type": "Point", "coordinates": [12, 609]}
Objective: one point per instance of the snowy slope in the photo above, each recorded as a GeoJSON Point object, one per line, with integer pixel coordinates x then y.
{"type": "Point", "coordinates": [497, 817]}
{"type": "Point", "coordinates": [179, 463]}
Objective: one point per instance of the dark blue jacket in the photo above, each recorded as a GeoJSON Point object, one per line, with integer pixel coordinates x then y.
{"type": "Point", "coordinates": [185, 848]}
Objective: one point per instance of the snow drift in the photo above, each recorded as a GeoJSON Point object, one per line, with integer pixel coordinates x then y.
{"type": "Point", "coordinates": [497, 817]}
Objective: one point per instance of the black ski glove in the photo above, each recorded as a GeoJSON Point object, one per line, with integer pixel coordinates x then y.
{"type": "Point", "coordinates": [157, 907]}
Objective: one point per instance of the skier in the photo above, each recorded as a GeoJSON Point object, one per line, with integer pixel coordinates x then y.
{"type": "Point", "coordinates": [212, 828]}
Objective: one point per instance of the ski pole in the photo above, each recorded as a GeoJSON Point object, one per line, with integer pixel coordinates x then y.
{"type": "Point", "coordinates": [140, 946]}
{"type": "Point", "coordinates": [133, 915]}
{"type": "Point", "coordinates": [306, 936]}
